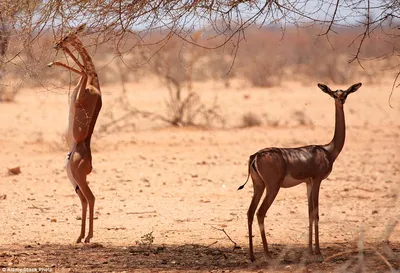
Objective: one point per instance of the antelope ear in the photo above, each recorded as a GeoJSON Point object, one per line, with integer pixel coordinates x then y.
{"type": "Point", "coordinates": [325, 89]}
{"type": "Point", "coordinates": [353, 88]}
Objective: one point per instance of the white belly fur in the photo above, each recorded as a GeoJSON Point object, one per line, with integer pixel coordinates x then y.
{"type": "Point", "coordinates": [68, 168]}
{"type": "Point", "coordinates": [69, 136]}
{"type": "Point", "coordinates": [71, 142]}
{"type": "Point", "coordinates": [289, 181]}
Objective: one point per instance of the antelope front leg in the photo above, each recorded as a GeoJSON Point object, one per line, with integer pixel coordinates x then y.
{"type": "Point", "coordinates": [65, 66]}
{"type": "Point", "coordinates": [310, 217]}
{"type": "Point", "coordinates": [66, 50]}
{"type": "Point", "coordinates": [316, 187]}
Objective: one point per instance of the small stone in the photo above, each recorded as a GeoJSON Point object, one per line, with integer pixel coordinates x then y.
{"type": "Point", "coordinates": [14, 171]}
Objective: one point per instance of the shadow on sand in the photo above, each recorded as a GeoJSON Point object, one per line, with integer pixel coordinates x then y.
{"type": "Point", "coordinates": [187, 258]}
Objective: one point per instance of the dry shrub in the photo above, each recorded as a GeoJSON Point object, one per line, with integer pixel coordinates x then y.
{"type": "Point", "coordinates": [262, 74]}
{"type": "Point", "coordinates": [8, 93]}
{"type": "Point", "coordinates": [301, 119]}
{"type": "Point", "coordinates": [320, 61]}
{"type": "Point", "coordinates": [330, 60]}
{"type": "Point", "coordinates": [9, 88]}
{"type": "Point", "coordinates": [261, 60]}
{"type": "Point", "coordinates": [251, 119]}
{"type": "Point", "coordinates": [192, 112]}
{"type": "Point", "coordinates": [219, 67]}
{"type": "Point", "coordinates": [176, 67]}
{"type": "Point", "coordinates": [272, 122]}
{"type": "Point", "coordinates": [183, 112]}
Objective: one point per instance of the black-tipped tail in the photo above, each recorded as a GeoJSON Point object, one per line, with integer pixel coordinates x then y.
{"type": "Point", "coordinates": [251, 162]}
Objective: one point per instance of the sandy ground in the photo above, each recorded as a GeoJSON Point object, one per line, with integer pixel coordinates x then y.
{"type": "Point", "coordinates": [178, 186]}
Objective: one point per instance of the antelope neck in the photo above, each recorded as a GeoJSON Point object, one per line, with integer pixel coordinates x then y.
{"type": "Point", "coordinates": [336, 145]}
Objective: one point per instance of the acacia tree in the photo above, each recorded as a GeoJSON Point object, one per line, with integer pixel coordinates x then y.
{"type": "Point", "coordinates": [117, 19]}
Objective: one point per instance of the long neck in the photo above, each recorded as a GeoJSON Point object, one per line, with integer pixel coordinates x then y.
{"type": "Point", "coordinates": [336, 145]}
{"type": "Point", "coordinates": [88, 63]}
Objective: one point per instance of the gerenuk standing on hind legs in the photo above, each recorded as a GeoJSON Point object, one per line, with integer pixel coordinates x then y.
{"type": "Point", "coordinates": [84, 107]}
{"type": "Point", "coordinates": [275, 168]}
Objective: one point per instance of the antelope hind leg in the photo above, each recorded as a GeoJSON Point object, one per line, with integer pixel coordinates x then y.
{"type": "Point", "coordinates": [80, 167]}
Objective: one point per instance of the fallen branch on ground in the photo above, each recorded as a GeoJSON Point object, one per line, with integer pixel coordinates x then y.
{"type": "Point", "coordinates": [235, 245]}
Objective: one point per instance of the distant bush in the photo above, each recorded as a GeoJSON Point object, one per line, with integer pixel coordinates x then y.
{"type": "Point", "coordinates": [7, 94]}
{"type": "Point", "coordinates": [250, 119]}
{"type": "Point", "coordinates": [301, 118]}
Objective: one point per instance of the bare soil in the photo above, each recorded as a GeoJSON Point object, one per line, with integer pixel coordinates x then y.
{"type": "Point", "coordinates": [165, 196]}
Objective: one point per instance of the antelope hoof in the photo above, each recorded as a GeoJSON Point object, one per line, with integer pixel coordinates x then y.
{"type": "Point", "coordinates": [50, 64]}
{"type": "Point", "coordinates": [252, 258]}
{"type": "Point", "coordinates": [268, 256]}
{"type": "Point", "coordinates": [87, 240]}
{"type": "Point", "coordinates": [79, 239]}
{"type": "Point", "coordinates": [311, 258]}
{"type": "Point", "coordinates": [318, 257]}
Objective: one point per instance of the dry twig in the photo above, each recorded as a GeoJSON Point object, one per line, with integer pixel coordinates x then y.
{"type": "Point", "coordinates": [235, 245]}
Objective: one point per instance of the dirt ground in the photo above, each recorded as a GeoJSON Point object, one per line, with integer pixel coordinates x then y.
{"type": "Point", "coordinates": [167, 199]}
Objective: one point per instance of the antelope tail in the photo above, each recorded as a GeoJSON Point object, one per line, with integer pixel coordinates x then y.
{"type": "Point", "coordinates": [251, 162]}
